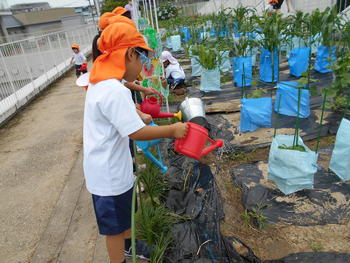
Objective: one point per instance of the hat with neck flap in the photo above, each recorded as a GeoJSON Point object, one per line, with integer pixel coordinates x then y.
{"type": "Point", "coordinates": [119, 10]}
{"type": "Point", "coordinates": [103, 21]}
{"type": "Point", "coordinates": [114, 41]}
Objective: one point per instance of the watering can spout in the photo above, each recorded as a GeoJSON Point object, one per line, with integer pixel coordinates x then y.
{"type": "Point", "coordinates": [215, 144]}
{"type": "Point", "coordinates": [168, 115]}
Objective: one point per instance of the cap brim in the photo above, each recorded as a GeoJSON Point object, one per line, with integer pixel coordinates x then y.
{"type": "Point", "coordinates": [83, 80]}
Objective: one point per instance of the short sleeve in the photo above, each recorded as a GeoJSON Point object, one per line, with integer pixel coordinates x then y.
{"type": "Point", "coordinates": [82, 56]}
{"type": "Point", "coordinates": [168, 71]}
{"type": "Point", "coordinates": [120, 110]}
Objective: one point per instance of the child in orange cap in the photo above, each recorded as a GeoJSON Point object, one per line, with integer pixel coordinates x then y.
{"type": "Point", "coordinates": [110, 119]}
{"type": "Point", "coordinates": [79, 60]}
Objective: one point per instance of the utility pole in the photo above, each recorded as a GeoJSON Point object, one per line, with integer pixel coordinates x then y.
{"type": "Point", "coordinates": [97, 6]}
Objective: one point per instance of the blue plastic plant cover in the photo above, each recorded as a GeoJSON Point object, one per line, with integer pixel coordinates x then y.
{"type": "Point", "coordinates": [223, 33]}
{"type": "Point", "coordinates": [289, 100]}
{"type": "Point", "coordinates": [299, 61]}
{"type": "Point", "coordinates": [212, 33]}
{"type": "Point", "coordinates": [251, 35]}
{"type": "Point", "coordinates": [252, 52]}
{"type": "Point", "coordinates": [204, 35]}
{"type": "Point", "coordinates": [242, 70]}
{"type": "Point", "coordinates": [255, 114]}
{"type": "Point", "coordinates": [340, 161]}
{"type": "Point", "coordinates": [238, 35]}
{"type": "Point", "coordinates": [168, 43]}
{"type": "Point", "coordinates": [235, 27]}
{"type": "Point", "coordinates": [210, 80]}
{"type": "Point", "coordinates": [176, 42]}
{"type": "Point", "coordinates": [186, 34]}
{"type": "Point", "coordinates": [265, 73]}
{"type": "Point", "coordinates": [226, 62]}
{"type": "Point", "coordinates": [196, 67]}
{"type": "Point", "coordinates": [291, 170]}
{"type": "Point", "coordinates": [322, 64]}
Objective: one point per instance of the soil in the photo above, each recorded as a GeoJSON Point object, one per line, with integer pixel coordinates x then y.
{"type": "Point", "coordinates": [280, 240]}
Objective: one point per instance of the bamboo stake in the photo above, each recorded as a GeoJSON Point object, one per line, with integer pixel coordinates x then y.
{"type": "Point", "coordinates": [321, 120]}
{"type": "Point", "coordinates": [133, 230]}
{"type": "Point", "coordinates": [296, 132]}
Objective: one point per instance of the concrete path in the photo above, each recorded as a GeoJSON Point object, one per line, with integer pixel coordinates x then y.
{"type": "Point", "coordinates": [46, 213]}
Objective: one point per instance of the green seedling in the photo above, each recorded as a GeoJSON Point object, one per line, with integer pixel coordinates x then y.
{"type": "Point", "coordinates": [299, 148]}
{"type": "Point", "coordinates": [255, 217]}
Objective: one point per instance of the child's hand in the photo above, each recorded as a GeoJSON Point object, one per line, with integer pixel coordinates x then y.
{"type": "Point", "coordinates": [149, 91]}
{"type": "Point", "coordinates": [179, 130]}
{"type": "Point", "coordinates": [146, 118]}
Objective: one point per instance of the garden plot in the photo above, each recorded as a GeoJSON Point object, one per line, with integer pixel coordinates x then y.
{"type": "Point", "coordinates": [214, 227]}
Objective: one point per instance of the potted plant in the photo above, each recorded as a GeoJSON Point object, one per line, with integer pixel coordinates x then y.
{"type": "Point", "coordinates": [292, 164]}
{"type": "Point", "coordinates": [271, 28]}
{"type": "Point", "coordinates": [242, 62]}
{"type": "Point", "coordinates": [300, 41]}
{"type": "Point", "coordinates": [326, 52]}
{"type": "Point", "coordinates": [210, 60]}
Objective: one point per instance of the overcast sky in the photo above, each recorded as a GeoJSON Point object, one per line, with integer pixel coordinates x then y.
{"type": "Point", "coordinates": [53, 3]}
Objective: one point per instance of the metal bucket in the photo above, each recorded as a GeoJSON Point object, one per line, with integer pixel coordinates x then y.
{"type": "Point", "coordinates": [193, 110]}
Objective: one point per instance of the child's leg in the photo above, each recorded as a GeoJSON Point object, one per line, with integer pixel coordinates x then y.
{"type": "Point", "coordinates": [116, 246]}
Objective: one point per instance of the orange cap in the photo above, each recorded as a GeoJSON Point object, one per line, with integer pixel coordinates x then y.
{"type": "Point", "coordinates": [114, 42]}
{"type": "Point", "coordinates": [121, 19]}
{"type": "Point", "coordinates": [75, 46]}
{"type": "Point", "coordinates": [106, 20]}
{"type": "Point", "coordinates": [103, 21]}
{"type": "Point", "coordinates": [119, 10]}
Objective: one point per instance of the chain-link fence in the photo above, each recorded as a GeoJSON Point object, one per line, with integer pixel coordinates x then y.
{"type": "Point", "coordinates": [28, 66]}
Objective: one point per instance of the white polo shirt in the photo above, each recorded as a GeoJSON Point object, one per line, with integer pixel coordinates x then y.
{"type": "Point", "coordinates": [109, 118]}
{"type": "Point", "coordinates": [79, 58]}
{"type": "Point", "coordinates": [174, 70]}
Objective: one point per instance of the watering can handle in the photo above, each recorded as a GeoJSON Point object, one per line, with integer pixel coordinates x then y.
{"type": "Point", "coordinates": [155, 92]}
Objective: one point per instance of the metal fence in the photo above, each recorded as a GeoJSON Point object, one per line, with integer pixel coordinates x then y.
{"type": "Point", "coordinates": [29, 66]}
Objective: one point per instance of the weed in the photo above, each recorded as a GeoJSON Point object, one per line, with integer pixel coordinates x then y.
{"type": "Point", "coordinates": [255, 217]}
{"type": "Point", "coordinates": [226, 78]}
{"type": "Point", "coordinates": [257, 93]}
{"type": "Point", "coordinates": [242, 156]}
{"type": "Point", "coordinates": [316, 247]}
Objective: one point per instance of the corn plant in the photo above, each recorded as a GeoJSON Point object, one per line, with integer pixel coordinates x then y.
{"type": "Point", "coordinates": [208, 57]}
{"type": "Point", "coordinates": [273, 29]}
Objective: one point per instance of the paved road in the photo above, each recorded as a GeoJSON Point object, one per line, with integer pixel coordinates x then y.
{"type": "Point", "coordinates": [46, 213]}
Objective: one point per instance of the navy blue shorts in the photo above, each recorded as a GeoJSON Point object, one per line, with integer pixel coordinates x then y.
{"type": "Point", "coordinates": [113, 213]}
{"type": "Point", "coordinates": [78, 71]}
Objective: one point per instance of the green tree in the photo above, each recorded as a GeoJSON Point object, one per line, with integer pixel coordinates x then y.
{"type": "Point", "coordinates": [109, 5]}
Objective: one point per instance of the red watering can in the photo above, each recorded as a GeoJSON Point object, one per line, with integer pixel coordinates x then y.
{"type": "Point", "coordinates": [151, 106]}
{"type": "Point", "coordinates": [194, 144]}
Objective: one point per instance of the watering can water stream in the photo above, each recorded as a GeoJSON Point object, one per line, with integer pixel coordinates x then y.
{"type": "Point", "coordinates": [151, 105]}
{"type": "Point", "coordinates": [194, 144]}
